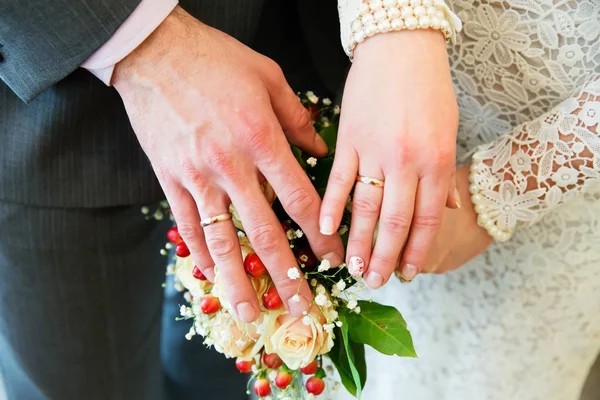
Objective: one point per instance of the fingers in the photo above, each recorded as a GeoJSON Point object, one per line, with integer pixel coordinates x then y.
{"type": "Point", "coordinates": [394, 225]}
{"type": "Point", "coordinates": [223, 245]}
{"type": "Point", "coordinates": [302, 203]}
{"type": "Point", "coordinates": [366, 206]}
{"type": "Point", "coordinates": [426, 222]}
{"type": "Point", "coordinates": [271, 245]}
{"type": "Point", "coordinates": [340, 184]}
{"type": "Point", "coordinates": [294, 118]}
{"type": "Point", "coordinates": [453, 200]}
{"type": "Point", "coordinates": [187, 217]}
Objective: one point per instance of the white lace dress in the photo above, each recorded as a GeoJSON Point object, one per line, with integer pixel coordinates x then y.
{"type": "Point", "coordinates": [522, 320]}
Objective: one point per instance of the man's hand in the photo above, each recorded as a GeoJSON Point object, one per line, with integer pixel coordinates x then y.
{"type": "Point", "coordinates": [460, 239]}
{"type": "Point", "coordinates": [213, 117]}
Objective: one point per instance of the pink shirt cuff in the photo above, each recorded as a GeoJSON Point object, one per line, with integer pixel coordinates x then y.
{"type": "Point", "coordinates": [140, 24]}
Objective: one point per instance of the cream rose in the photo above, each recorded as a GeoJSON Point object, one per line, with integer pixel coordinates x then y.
{"type": "Point", "coordinates": [270, 196]}
{"type": "Point", "coordinates": [183, 272]}
{"type": "Point", "coordinates": [235, 338]}
{"type": "Point", "coordinates": [298, 340]}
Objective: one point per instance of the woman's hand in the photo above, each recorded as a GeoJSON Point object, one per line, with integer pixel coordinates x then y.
{"type": "Point", "coordinates": [399, 123]}
{"type": "Point", "coordinates": [459, 240]}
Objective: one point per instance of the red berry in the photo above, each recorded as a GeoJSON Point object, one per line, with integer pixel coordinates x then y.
{"type": "Point", "coordinates": [210, 304]}
{"type": "Point", "coordinates": [262, 387]}
{"type": "Point", "coordinates": [173, 235]}
{"type": "Point", "coordinates": [306, 257]}
{"type": "Point", "coordinates": [313, 111]}
{"type": "Point", "coordinates": [283, 379]}
{"type": "Point", "coordinates": [315, 385]}
{"type": "Point", "coordinates": [272, 361]}
{"type": "Point", "coordinates": [254, 266]}
{"type": "Point", "coordinates": [244, 367]}
{"type": "Point", "coordinates": [271, 299]}
{"type": "Point", "coordinates": [310, 368]}
{"type": "Point", "coordinates": [182, 250]}
{"type": "Point", "coordinates": [198, 274]}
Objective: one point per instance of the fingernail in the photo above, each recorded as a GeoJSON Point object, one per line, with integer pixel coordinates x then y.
{"type": "Point", "coordinates": [298, 305]}
{"type": "Point", "coordinates": [334, 259]}
{"type": "Point", "coordinates": [374, 280]}
{"type": "Point", "coordinates": [409, 272]}
{"type": "Point", "coordinates": [327, 226]}
{"type": "Point", "coordinates": [356, 266]}
{"type": "Point", "coordinates": [457, 198]}
{"type": "Point", "coordinates": [246, 312]}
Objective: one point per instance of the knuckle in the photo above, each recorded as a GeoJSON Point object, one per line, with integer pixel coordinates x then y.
{"type": "Point", "coordinates": [441, 159]}
{"type": "Point", "coordinates": [257, 136]}
{"type": "Point", "coordinates": [366, 208]}
{"type": "Point", "coordinates": [384, 263]}
{"type": "Point", "coordinates": [263, 238]}
{"type": "Point", "coordinates": [190, 232]}
{"type": "Point", "coordinates": [219, 160]}
{"type": "Point", "coordinates": [427, 222]}
{"type": "Point", "coordinates": [396, 223]}
{"type": "Point", "coordinates": [301, 117]}
{"type": "Point", "coordinates": [221, 246]}
{"type": "Point", "coordinates": [300, 202]}
{"type": "Point", "coordinates": [340, 177]}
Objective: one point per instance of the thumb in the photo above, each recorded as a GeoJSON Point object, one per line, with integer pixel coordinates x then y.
{"type": "Point", "coordinates": [294, 118]}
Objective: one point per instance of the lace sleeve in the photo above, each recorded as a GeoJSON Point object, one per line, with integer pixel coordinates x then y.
{"type": "Point", "coordinates": [539, 165]}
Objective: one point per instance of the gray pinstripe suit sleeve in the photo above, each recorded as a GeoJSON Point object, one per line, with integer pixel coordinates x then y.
{"type": "Point", "coordinates": [43, 41]}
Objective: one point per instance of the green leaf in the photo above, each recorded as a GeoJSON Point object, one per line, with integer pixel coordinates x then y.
{"type": "Point", "coordinates": [329, 135]}
{"type": "Point", "coordinates": [340, 359]}
{"type": "Point", "coordinates": [350, 356]}
{"type": "Point", "coordinates": [381, 327]}
{"type": "Point", "coordinates": [321, 173]}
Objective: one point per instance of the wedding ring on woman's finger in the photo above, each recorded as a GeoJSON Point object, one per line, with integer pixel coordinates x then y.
{"type": "Point", "coordinates": [370, 181]}
{"type": "Point", "coordinates": [213, 220]}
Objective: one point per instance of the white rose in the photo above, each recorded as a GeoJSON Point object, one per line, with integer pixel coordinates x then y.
{"type": "Point", "coordinates": [234, 338]}
{"type": "Point", "coordinates": [298, 342]}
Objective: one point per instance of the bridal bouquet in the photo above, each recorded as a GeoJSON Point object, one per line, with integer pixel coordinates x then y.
{"type": "Point", "coordinates": [289, 357]}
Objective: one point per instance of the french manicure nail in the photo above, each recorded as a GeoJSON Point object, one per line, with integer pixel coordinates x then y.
{"type": "Point", "coordinates": [374, 280]}
{"type": "Point", "coordinates": [298, 305]}
{"type": "Point", "coordinates": [356, 266]}
{"type": "Point", "coordinates": [327, 226]}
{"type": "Point", "coordinates": [246, 312]}
{"type": "Point", "coordinates": [334, 259]}
{"type": "Point", "coordinates": [409, 272]}
{"type": "Point", "coordinates": [457, 198]}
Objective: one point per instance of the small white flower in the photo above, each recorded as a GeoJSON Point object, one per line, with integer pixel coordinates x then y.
{"type": "Point", "coordinates": [240, 342]}
{"type": "Point", "coordinates": [163, 252]}
{"type": "Point", "coordinates": [191, 333]}
{"type": "Point", "coordinates": [188, 297]}
{"type": "Point", "coordinates": [182, 311]}
{"type": "Point", "coordinates": [590, 113]}
{"type": "Point", "coordinates": [329, 327]}
{"type": "Point", "coordinates": [335, 291]}
{"type": "Point", "coordinates": [341, 285]}
{"type": "Point", "coordinates": [565, 176]}
{"type": "Point", "coordinates": [352, 304]}
{"type": "Point", "coordinates": [336, 110]}
{"type": "Point", "coordinates": [293, 273]}
{"type": "Point", "coordinates": [343, 229]}
{"type": "Point", "coordinates": [321, 300]}
{"type": "Point", "coordinates": [327, 101]}
{"type": "Point", "coordinates": [333, 315]}
{"type": "Point", "coordinates": [328, 304]}
{"type": "Point", "coordinates": [299, 233]}
{"type": "Point", "coordinates": [357, 310]}
{"type": "Point", "coordinates": [170, 269]}
{"type": "Point", "coordinates": [296, 298]}
{"type": "Point", "coordinates": [320, 289]}
{"type": "Point", "coordinates": [520, 161]}
{"type": "Point", "coordinates": [189, 336]}
{"type": "Point", "coordinates": [158, 215]}
{"type": "Point", "coordinates": [290, 234]}
{"type": "Point", "coordinates": [168, 246]}
{"type": "Point", "coordinates": [324, 266]}
{"type": "Point", "coordinates": [338, 323]}
{"type": "Point", "coordinates": [312, 97]}
{"type": "Point", "coordinates": [178, 286]}
{"type": "Point", "coordinates": [145, 210]}
{"type": "Point", "coordinates": [241, 234]}
{"type": "Point", "coordinates": [313, 282]}
{"type": "Point", "coordinates": [312, 161]}
{"type": "Point", "coordinates": [306, 320]}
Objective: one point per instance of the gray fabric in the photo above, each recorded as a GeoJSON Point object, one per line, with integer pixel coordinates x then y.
{"type": "Point", "coordinates": [44, 41]}
{"type": "Point", "coordinates": [80, 311]}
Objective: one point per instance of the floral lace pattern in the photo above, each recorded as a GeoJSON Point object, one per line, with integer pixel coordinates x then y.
{"type": "Point", "coordinates": [522, 320]}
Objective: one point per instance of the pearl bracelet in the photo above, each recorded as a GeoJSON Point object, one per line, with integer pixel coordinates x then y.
{"type": "Point", "coordinates": [484, 219]}
{"type": "Point", "coordinates": [381, 16]}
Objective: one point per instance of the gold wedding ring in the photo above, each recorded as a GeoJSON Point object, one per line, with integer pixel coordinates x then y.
{"type": "Point", "coordinates": [213, 220]}
{"type": "Point", "coordinates": [370, 181]}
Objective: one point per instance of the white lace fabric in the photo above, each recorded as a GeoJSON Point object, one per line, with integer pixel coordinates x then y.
{"type": "Point", "coordinates": [522, 320]}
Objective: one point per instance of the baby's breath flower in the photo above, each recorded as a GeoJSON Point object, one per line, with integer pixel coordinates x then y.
{"type": "Point", "coordinates": [170, 269]}
{"type": "Point", "coordinates": [158, 215]}
{"type": "Point", "coordinates": [343, 229]}
{"type": "Point", "coordinates": [241, 234]}
{"type": "Point", "coordinates": [306, 320]}
{"type": "Point", "coordinates": [296, 298]}
{"type": "Point", "coordinates": [335, 291]}
{"type": "Point", "coordinates": [190, 334]}
{"type": "Point", "coordinates": [240, 342]}
{"type": "Point", "coordinates": [168, 246]}
{"type": "Point", "coordinates": [163, 252]}
{"type": "Point", "coordinates": [341, 285]}
{"type": "Point", "coordinates": [182, 310]}
{"type": "Point", "coordinates": [290, 234]}
{"type": "Point", "coordinates": [320, 289]}
{"type": "Point", "coordinates": [293, 273]}
{"type": "Point", "coordinates": [357, 310]}
{"type": "Point", "coordinates": [352, 304]}
{"type": "Point", "coordinates": [336, 110]}
{"type": "Point", "coordinates": [313, 282]}
{"type": "Point", "coordinates": [311, 161]}
{"type": "Point", "coordinates": [299, 233]}
{"type": "Point", "coordinates": [312, 97]}
{"type": "Point", "coordinates": [187, 296]}
{"type": "Point", "coordinates": [324, 266]}
{"type": "Point", "coordinates": [338, 323]}
{"type": "Point", "coordinates": [327, 101]}
{"type": "Point", "coordinates": [145, 210]}
{"type": "Point", "coordinates": [333, 315]}
{"type": "Point", "coordinates": [321, 300]}
{"type": "Point", "coordinates": [328, 327]}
